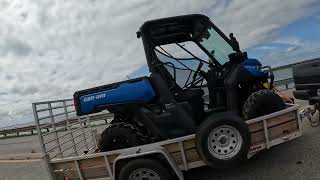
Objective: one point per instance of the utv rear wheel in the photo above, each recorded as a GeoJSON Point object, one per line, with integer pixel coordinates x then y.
{"type": "Point", "coordinates": [262, 102]}
{"type": "Point", "coordinates": [223, 140]}
{"type": "Point", "coordinates": [121, 135]}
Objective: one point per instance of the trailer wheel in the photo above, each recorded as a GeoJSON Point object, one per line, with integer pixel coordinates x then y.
{"type": "Point", "coordinates": [148, 169]}
{"type": "Point", "coordinates": [262, 102]}
{"type": "Point", "coordinates": [121, 135]}
{"type": "Point", "coordinates": [223, 140]}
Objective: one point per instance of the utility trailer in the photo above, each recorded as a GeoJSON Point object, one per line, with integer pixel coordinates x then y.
{"type": "Point", "coordinates": [69, 148]}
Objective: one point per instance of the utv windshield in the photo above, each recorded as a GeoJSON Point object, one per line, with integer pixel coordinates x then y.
{"type": "Point", "coordinates": [184, 60]}
{"type": "Point", "coordinates": [218, 47]}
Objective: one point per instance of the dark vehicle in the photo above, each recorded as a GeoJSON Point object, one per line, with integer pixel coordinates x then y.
{"type": "Point", "coordinates": [188, 57]}
{"type": "Point", "coordinates": [306, 76]}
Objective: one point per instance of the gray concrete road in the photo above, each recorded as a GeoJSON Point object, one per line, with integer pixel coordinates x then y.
{"type": "Point", "coordinates": [23, 170]}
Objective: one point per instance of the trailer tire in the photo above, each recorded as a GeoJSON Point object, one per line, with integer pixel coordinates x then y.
{"type": "Point", "coordinates": [262, 102]}
{"type": "Point", "coordinates": [145, 169]}
{"type": "Point", "coordinates": [223, 140]}
{"type": "Point", "coordinates": [121, 135]}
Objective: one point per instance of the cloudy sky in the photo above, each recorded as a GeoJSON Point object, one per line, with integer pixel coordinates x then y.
{"type": "Point", "coordinates": [51, 48]}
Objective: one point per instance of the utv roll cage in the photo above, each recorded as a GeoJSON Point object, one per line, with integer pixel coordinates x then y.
{"type": "Point", "coordinates": [176, 30]}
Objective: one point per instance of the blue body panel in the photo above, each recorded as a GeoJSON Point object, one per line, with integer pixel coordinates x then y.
{"type": "Point", "coordinates": [126, 92]}
{"type": "Point", "coordinates": [253, 66]}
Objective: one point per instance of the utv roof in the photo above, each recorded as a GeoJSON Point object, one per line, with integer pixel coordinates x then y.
{"type": "Point", "coordinates": [175, 19]}
{"type": "Point", "coordinates": [173, 29]}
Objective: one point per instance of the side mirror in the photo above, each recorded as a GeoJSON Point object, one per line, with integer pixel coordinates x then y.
{"type": "Point", "coordinates": [138, 34]}
{"type": "Point", "coordinates": [234, 42]}
{"type": "Point", "coordinates": [212, 52]}
{"type": "Point", "coordinates": [238, 57]}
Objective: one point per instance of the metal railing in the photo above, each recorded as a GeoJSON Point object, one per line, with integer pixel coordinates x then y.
{"type": "Point", "coordinates": [70, 135]}
{"type": "Point", "coordinates": [286, 83]}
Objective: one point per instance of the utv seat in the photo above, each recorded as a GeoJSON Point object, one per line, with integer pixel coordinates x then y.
{"type": "Point", "coordinates": [194, 98]}
{"type": "Point", "coordinates": [178, 119]}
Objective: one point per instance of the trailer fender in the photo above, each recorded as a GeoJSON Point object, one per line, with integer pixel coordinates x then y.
{"type": "Point", "coordinates": [146, 153]}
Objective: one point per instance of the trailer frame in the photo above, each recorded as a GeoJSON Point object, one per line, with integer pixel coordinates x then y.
{"type": "Point", "coordinates": [180, 153]}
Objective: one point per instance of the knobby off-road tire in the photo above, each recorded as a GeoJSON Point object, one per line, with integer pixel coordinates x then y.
{"type": "Point", "coordinates": [262, 102]}
{"type": "Point", "coordinates": [223, 140]}
{"type": "Point", "coordinates": [121, 135]}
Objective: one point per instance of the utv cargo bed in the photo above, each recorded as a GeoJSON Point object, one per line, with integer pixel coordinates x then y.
{"type": "Point", "coordinates": [98, 98]}
{"type": "Point", "coordinates": [69, 146]}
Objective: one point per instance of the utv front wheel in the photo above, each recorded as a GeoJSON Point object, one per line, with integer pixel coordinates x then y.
{"type": "Point", "coordinates": [223, 140]}
{"type": "Point", "coordinates": [121, 135]}
{"type": "Point", "coordinates": [261, 103]}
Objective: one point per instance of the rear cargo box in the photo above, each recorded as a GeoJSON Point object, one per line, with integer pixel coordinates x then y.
{"type": "Point", "coordinates": [100, 98]}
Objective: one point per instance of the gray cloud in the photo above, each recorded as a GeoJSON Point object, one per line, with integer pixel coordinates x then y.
{"type": "Point", "coordinates": [15, 46]}
{"type": "Point", "coordinates": [24, 91]}
{"type": "Point", "coordinates": [49, 49]}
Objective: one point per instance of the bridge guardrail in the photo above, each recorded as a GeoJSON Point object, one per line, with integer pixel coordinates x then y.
{"type": "Point", "coordinates": [284, 82]}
